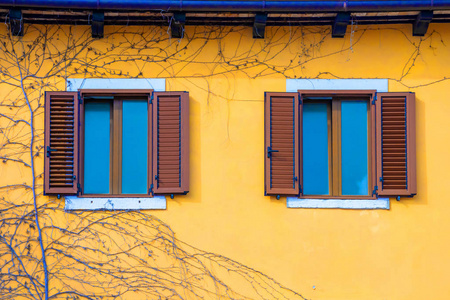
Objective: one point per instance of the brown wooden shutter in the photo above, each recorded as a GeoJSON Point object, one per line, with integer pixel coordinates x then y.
{"type": "Point", "coordinates": [61, 143]}
{"type": "Point", "coordinates": [282, 132]}
{"type": "Point", "coordinates": [396, 144]}
{"type": "Point", "coordinates": [171, 142]}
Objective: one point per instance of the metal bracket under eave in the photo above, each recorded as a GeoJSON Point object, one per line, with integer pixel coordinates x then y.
{"type": "Point", "coordinates": [98, 24]}
{"type": "Point", "coordinates": [16, 22]}
{"type": "Point", "coordinates": [341, 21]}
{"type": "Point", "coordinates": [177, 25]}
{"type": "Point", "coordinates": [259, 25]}
{"type": "Point", "coordinates": [423, 19]}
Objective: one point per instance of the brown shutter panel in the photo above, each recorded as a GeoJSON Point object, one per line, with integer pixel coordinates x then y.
{"type": "Point", "coordinates": [396, 144]}
{"type": "Point", "coordinates": [282, 132]}
{"type": "Point", "coordinates": [61, 143]}
{"type": "Point", "coordinates": [171, 142]}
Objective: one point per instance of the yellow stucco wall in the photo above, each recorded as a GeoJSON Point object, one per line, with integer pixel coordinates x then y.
{"type": "Point", "coordinates": [401, 253]}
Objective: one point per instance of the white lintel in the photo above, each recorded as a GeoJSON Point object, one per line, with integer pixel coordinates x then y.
{"type": "Point", "coordinates": [293, 85]}
{"type": "Point", "coordinates": [157, 84]}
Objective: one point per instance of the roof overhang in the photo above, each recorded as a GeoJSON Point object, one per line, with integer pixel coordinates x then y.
{"type": "Point", "coordinates": [254, 13]}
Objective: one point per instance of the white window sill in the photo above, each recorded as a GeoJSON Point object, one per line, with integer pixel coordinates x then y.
{"type": "Point", "coordinates": [380, 203]}
{"type": "Point", "coordinates": [86, 203]}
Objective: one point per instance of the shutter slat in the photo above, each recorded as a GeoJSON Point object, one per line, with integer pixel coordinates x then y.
{"type": "Point", "coordinates": [61, 138]}
{"type": "Point", "coordinates": [396, 166]}
{"type": "Point", "coordinates": [281, 134]}
{"type": "Point", "coordinates": [171, 142]}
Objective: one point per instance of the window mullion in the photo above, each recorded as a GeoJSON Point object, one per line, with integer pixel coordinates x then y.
{"type": "Point", "coordinates": [370, 146]}
{"type": "Point", "coordinates": [330, 148]}
{"type": "Point", "coordinates": [117, 147]}
{"type": "Point", "coordinates": [336, 148]}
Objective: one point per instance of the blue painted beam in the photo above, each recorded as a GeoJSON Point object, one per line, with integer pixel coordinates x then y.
{"type": "Point", "coordinates": [259, 25]}
{"type": "Point", "coordinates": [235, 6]}
{"type": "Point", "coordinates": [341, 21]}
{"type": "Point", "coordinates": [16, 22]}
{"type": "Point", "coordinates": [423, 19]}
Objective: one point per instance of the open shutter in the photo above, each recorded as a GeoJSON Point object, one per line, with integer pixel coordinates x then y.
{"type": "Point", "coordinates": [171, 142]}
{"type": "Point", "coordinates": [396, 144]}
{"type": "Point", "coordinates": [282, 133]}
{"type": "Point", "coordinates": [61, 143]}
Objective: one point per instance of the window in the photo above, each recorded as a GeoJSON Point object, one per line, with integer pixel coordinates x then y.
{"type": "Point", "coordinates": [340, 144]}
{"type": "Point", "coordinates": [336, 144]}
{"type": "Point", "coordinates": [116, 143]}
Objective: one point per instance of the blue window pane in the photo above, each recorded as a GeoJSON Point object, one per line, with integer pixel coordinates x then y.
{"type": "Point", "coordinates": [96, 148]}
{"type": "Point", "coordinates": [134, 147]}
{"type": "Point", "coordinates": [315, 149]}
{"type": "Point", "coordinates": [354, 147]}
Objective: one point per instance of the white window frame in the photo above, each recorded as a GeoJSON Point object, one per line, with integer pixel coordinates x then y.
{"type": "Point", "coordinates": [380, 85]}
{"type": "Point", "coordinates": [115, 203]}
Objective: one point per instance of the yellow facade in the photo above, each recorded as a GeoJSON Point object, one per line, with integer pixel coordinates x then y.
{"type": "Point", "coordinates": [401, 253]}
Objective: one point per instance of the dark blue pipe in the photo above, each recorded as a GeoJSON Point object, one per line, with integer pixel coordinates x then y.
{"type": "Point", "coordinates": [236, 6]}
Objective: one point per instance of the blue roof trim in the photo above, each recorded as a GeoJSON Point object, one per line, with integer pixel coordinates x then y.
{"type": "Point", "coordinates": [243, 5]}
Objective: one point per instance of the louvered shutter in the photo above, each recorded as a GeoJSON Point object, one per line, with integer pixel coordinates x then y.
{"type": "Point", "coordinates": [396, 144]}
{"type": "Point", "coordinates": [61, 143]}
{"type": "Point", "coordinates": [282, 132]}
{"type": "Point", "coordinates": [171, 142]}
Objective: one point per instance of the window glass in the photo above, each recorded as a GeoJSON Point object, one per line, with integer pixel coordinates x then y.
{"type": "Point", "coordinates": [134, 147]}
{"type": "Point", "coordinates": [315, 149]}
{"type": "Point", "coordinates": [97, 148]}
{"type": "Point", "coordinates": [354, 147]}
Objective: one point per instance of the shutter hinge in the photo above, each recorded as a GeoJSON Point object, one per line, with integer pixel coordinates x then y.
{"type": "Point", "coordinates": [80, 99]}
{"type": "Point", "coordinates": [375, 189]}
{"type": "Point", "coordinates": [270, 151]}
{"type": "Point", "coordinates": [299, 99]}
{"type": "Point", "coordinates": [49, 150]}
{"type": "Point", "coordinates": [80, 191]}
{"type": "Point", "coordinates": [74, 177]}
{"type": "Point", "coordinates": [150, 190]}
{"type": "Point", "coordinates": [374, 99]}
{"type": "Point", "coordinates": [300, 190]}
{"type": "Point", "coordinates": [156, 177]}
{"type": "Point", "coordinates": [381, 179]}
{"type": "Point", "coordinates": [295, 180]}
{"type": "Point", "coordinates": [151, 99]}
